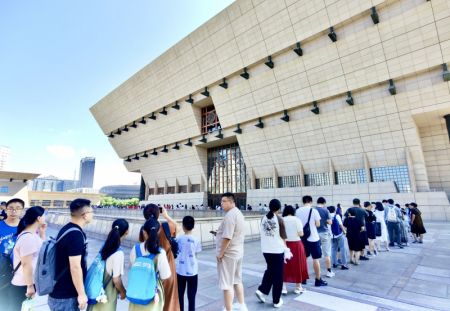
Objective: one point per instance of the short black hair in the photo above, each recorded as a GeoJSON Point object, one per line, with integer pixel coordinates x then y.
{"type": "Point", "coordinates": [356, 201]}
{"type": "Point", "coordinates": [307, 199]}
{"type": "Point", "coordinates": [228, 195]}
{"type": "Point", "coordinates": [2, 203]}
{"type": "Point", "coordinates": [79, 204]}
{"type": "Point", "coordinates": [366, 204]}
{"type": "Point", "coordinates": [390, 201]}
{"type": "Point", "coordinates": [289, 210]}
{"type": "Point", "coordinates": [384, 201]}
{"type": "Point", "coordinates": [188, 222]}
{"type": "Point", "coordinates": [331, 209]}
{"type": "Point", "coordinates": [15, 200]}
{"type": "Point", "coordinates": [321, 200]}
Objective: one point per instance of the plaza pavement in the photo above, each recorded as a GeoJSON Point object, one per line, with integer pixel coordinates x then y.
{"type": "Point", "coordinates": [414, 278]}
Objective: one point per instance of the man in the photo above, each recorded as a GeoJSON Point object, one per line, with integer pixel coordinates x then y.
{"type": "Point", "coordinates": [324, 231]}
{"type": "Point", "coordinates": [8, 230]}
{"type": "Point", "coordinates": [230, 252]}
{"type": "Point", "coordinates": [360, 215]}
{"type": "Point", "coordinates": [3, 211]}
{"type": "Point", "coordinates": [68, 293]}
{"type": "Point", "coordinates": [393, 217]}
{"type": "Point", "coordinates": [312, 243]}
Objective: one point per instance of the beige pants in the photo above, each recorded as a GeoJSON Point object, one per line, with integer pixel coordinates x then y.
{"type": "Point", "coordinates": [230, 272]}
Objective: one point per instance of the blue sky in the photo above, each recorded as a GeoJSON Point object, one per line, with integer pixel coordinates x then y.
{"type": "Point", "coordinates": [58, 58]}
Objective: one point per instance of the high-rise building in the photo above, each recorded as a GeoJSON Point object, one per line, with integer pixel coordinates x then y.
{"type": "Point", "coordinates": [52, 184]}
{"type": "Point", "coordinates": [87, 168]}
{"type": "Point", "coordinates": [4, 157]}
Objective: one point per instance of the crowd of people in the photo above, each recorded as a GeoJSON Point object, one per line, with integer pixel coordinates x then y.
{"type": "Point", "coordinates": [163, 263]}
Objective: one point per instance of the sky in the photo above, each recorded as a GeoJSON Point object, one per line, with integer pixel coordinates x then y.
{"type": "Point", "coordinates": [58, 58]}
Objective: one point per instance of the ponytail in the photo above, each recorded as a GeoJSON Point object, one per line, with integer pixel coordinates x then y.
{"type": "Point", "coordinates": [151, 227]}
{"type": "Point", "coordinates": [112, 243]}
{"type": "Point", "coordinates": [274, 206]}
{"type": "Point", "coordinates": [30, 217]}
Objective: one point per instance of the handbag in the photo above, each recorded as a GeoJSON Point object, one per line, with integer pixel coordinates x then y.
{"type": "Point", "coordinates": [378, 228]}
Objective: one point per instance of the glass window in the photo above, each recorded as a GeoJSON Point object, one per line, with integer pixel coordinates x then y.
{"type": "Point", "coordinates": [210, 120]}
{"type": "Point", "coordinates": [160, 190]}
{"type": "Point", "coordinates": [357, 176]}
{"type": "Point", "coordinates": [4, 189]}
{"type": "Point", "coordinates": [398, 174]}
{"type": "Point", "coordinates": [317, 179]}
{"type": "Point", "coordinates": [289, 181]}
{"type": "Point", "coordinates": [35, 202]}
{"type": "Point", "coordinates": [151, 191]}
{"type": "Point", "coordinates": [195, 188]}
{"type": "Point", "coordinates": [58, 203]}
{"type": "Point", "coordinates": [264, 183]}
{"type": "Point", "coordinates": [226, 170]}
{"type": "Point", "coordinates": [170, 189]}
{"type": "Point", "coordinates": [46, 202]}
{"type": "Point", "coordinates": [182, 189]}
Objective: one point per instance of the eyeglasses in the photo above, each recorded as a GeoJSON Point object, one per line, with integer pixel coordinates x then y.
{"type": "Point", "coordinates": [10, 209]}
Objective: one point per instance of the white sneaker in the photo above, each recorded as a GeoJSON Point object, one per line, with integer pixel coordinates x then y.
{"type": "Point", "coordinates": [260, 296]}
{"type": "Point", "coordinates": [298, 291]}
{"type": "Point", "coordinates": [330, 274]}
{"type": "Point", "coordinates": [279, 304]}
{"type": "Point", "coordinates": [241, 307]}
{"type": "Point", "coordinates": [284, 291]}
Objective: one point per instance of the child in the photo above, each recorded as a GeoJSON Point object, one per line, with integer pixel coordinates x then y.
{"type": "Point", "coordinates": [187, 265]}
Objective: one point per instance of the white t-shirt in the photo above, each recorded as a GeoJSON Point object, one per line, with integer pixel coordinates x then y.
{"type": "Point", "coordinates": [271, 241]}
{"type": "Point", "coordinates": [162, 265]}
{"type": "Point", "coordinates": [293, 226]}
{"type": "Point", "coordinates": [302, 213]}
{"type": "Point", "coordinates": [27, 244]}
{"type": "Point", "coordinates": [115, 264]}
{"type": "Point", "coordinates": [187, 263]}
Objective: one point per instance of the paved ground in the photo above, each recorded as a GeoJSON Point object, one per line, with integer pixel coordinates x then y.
{"type": "Point", "coordinates": [414, 278]}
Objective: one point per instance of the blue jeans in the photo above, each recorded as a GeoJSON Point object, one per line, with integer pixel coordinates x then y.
{"type": "Point", "coordinates": [69, 304]}
{"type": "Point", "coordinates": [394, 232]}
{"type": "Point", "coordinates": [339, 243]}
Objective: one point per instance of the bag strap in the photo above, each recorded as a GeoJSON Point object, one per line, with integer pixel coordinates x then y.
{"type": "Point", "coordinates": [69, 231]}
{"type": "Point", "coordinates": [309, 217]}
{"type": "Point", "coordinates": [137, 249]}
{"type": "Point", "coordinates": [166, 229]}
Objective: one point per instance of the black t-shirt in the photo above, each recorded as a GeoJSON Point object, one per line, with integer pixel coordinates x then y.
{"type": "Point", "coordinates": [73, 244]}
{"type": "Point", "coordinates": [359, 213]}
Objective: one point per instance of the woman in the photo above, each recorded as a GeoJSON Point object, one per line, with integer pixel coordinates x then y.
{"type": "Point", "coordinates": [151, 246]}
{"type": "Point", "coordinates": [30, 236]}
{"type": "Point", "coordinates": [273, 236]}
{"type": "Point", "coordinates": [171, 284]}
{"type": "Point", "coordinates": [417, 227]}
{"type": "Point", "coordinates": [353, 227]}
{"type": "Point", "coordinates": [338, 246]}
{"type": "Point", "coordinates": [295, 269]}
{"type": "Point", "coordinates": [115, 260]}
{"type": "Point", "coordinates": [381, 232]}
{"type": "Point", "coordinates": [370, 228]}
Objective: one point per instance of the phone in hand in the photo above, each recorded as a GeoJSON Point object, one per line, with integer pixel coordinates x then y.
{"type": "Point", "coordinates": [160, 209]}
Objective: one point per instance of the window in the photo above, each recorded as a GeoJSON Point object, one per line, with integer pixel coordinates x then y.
{"type": "Point", "coordinates": [160, 190]}
{"type": "Point", "coordinates": [317, 179]}
{"type": "Point", "coordinates": [226, 170]}
{"type": "Point", "coordinates": [4, 189]}
{"type": "Point", "coordinates": [357, 176]}
{"type": "Point", "coordinates": [210, 120]}
{"type": "Point", "coordinates": [264, 183]}
{"type": "Point", "coordinates": [68, 203]}
{"type": "Point", "coordinates": [195, 188]}
{"type": "Point", "coordinates": [151, 191]}
{"type": "Point", "coordinates": [46, 202]}
{"type": "Point", "coordinates": [182, 189]}
{"type": "Point", "coordinates": [398, 174]}
{"type": "Point", "coordinates": [289, 181]}
{"type": "Point", "coordinates": [170, 189]}
{"type": "Point", "coordinates": [35, 202]}
{"type": "Point", "coordinates": [58, 203]}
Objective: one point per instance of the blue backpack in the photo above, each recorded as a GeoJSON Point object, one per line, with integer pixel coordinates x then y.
{"type": "Point", "coordinates": [142, 279]}
{"type": "Point", "coordinates": [94, 286]}
{"type": "Point", "coordinates": [335, 227]}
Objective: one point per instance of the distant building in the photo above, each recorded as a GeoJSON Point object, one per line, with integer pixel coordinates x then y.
{"type": "Point", "coordinates": [87, 168]}
{"type": "Point", "coordinates": [60, 199]}
{"type": "Point", "coordinates": [52, 184]}
{"type": "Point", "coordinates": [121, 191]}
{"type": "Point", "coordinates": [4, 157]}
{"type": "Point", "coordinates": [14, 185]}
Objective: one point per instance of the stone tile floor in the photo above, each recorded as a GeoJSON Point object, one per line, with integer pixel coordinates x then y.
{"type": "Point", "coordinates": [414, 278]}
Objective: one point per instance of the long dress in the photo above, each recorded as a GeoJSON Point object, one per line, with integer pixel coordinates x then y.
{"type": "Point", "coordinates": [380, 219]}
{"type": "Point", "coordinates": [417, 226]}
{"type": "Point", "coordinates": [170, 285]}
{"type": "Point", "coordinates": [353, 226]}
{"type": "Point", "coordinates": [296, 269]}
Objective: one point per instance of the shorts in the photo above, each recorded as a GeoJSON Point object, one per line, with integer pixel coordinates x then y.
{"type": "Point", "coordinates": [325, 241]}
{"type": "Point", "coordinates": [66, 304]}
{"type": "Point", "coordinates": [313, 249]}
{"type": "Point", "coordinates": [230, 272]}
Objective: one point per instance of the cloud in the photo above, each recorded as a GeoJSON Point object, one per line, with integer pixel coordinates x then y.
{"type": "Point", "coordinates": [61, 152]}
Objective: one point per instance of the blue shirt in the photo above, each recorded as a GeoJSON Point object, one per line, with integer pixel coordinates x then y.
{"type": "Point", "coordinates": [187, 264]}
{"type": "Point", "coordinates": [7, 238]}
{"type": "Point", "coordinates": [324, 217]}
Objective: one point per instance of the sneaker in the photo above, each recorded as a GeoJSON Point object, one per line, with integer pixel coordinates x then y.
{"type": "Point", "coordinates": [261, 297]}
{"type": "Point", "coordinates": [304, 282]}
{"type": "Point", "coordinates": [242, 307]}
{"type": "Point", "coordinates": [299, 290]}
{"type": "Point", "coordinates": [369, 254]}
{"type": "Point", "coordinates": [415, 241]}
{"type": "Point", "coordinates": [335, 266]}
{"type": "Point", "coordinates": [330, 274]}
{"type": "Point", "coordinates": [344, 267]}
{"type": "Point", "coordinates": [284, 291]}
{"type": "Point", "coordinates": [375, 253]}
{"type": "Point", "coordinates": [400, 246]}
{"type": "Point", "coordinates": [279, 304]}
{"type": "Point", "coordinates": [420, 242]}
{"type": "Point", "coordinates": [320, 283]}
{"type": "Point", "coordinates": [363, 258]}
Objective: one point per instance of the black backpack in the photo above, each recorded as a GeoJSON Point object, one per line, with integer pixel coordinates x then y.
{"type": "Point", "coordinates": [173, 242]}
{"type": "Point", "coordinates": [307, 228]}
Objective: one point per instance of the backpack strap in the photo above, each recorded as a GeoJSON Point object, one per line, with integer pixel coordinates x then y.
{"type": "Point", "coordinates": [166, 229]}
{"type": "Point", "coordinates": [309, 217]}
{"type": "Point", "coordinates": [137, 249]}
{"type": "Point", "coordinates": [69, 231]}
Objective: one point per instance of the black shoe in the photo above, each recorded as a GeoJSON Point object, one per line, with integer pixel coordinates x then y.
{"type": "Point", "coordinates": [304, 282]}
{"type": "Point", "coordinates": [335, 266]}
{"type": "Point", "coordinates": [391, 244]}
{"type": "Point", "coordinates": [320, 283]}
{"type": "Point", "coordinates": [363, 258]}
{"type": "Point", "coordinates": [400, 246]}
{"type": "Point", "coordinates": [344, 267]}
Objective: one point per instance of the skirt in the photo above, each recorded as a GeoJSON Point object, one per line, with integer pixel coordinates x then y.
{"type": "Point", "coordinates": [296, 269]}
{"type": "Point", "coordinates": [370, 227]}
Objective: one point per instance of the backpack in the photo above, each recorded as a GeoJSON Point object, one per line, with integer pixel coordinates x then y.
{"type": "Point", "coordinates": [7, 269]}
{"type": "Point", "coordinates": [307, 228]}
{"type": "Point", "coordinates": [392, 215]}
{"type": "Point", "coordinates": [142, 279]}
{"type": "Point", "coordinates": [44, 276]}
{"type": "Point", "coordinates": [335, 227]}
{"type": "Point", "coordinates": [93, 284]}
{"type": "Point", "coordinates": [173, 242]}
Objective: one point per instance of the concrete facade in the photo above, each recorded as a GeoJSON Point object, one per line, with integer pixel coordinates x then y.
{"type": "Point", "coordinates": [405, 128]}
